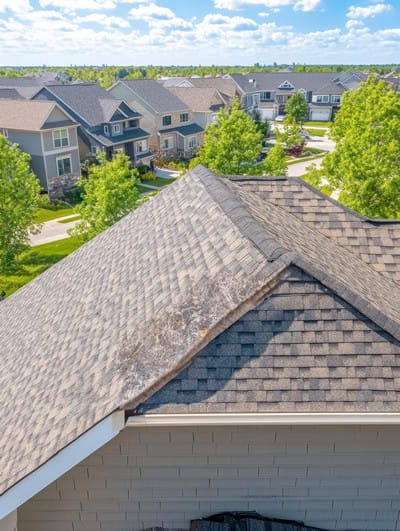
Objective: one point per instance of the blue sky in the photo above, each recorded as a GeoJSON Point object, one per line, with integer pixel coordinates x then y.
{"type": "Point", "coordinates": [194, 32]}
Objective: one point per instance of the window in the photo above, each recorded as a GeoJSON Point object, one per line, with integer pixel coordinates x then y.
{"type": "Point", "coordinates": [60, 138]}
{"type": "Point", "coordinates": [322, 99]}
{"type": "Point", "coordinates": [64, 166]}
{"type": "Point", "coordinates": [141, 146]}
{"type": "Point", "coordinates": [166, 120]}
{"type": "Point", "coordinates": [116, 129]}
{"type": "Point", "coordinates": [266, 96]}
{"type": "Point", "coordinates": [106, 130]}
{"type": "Point", "coordinates": [94, 150]}
{"type": "Point", "coordinates": [119, 149]}
{"type": "Point", "coordinates": [5, 133]}
{"type": "Point", "coordinates": [184, 117]}
{"type": "Point", "coordinates": [335, 99]}
{"type": "Point", "coordinates": [192, 142]}
{"type": "Point", "coordinates": [168, 142]}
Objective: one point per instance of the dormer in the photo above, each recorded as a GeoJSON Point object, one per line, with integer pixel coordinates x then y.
{"type": "Point", "coordinates": [286, 85]}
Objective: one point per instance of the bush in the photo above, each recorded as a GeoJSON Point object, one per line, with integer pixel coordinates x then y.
{"type": "Point", "coordinates": [148, 176]}
{"type": "Point", "coordinates": [295, 150]}
{"type": "Point", "coordinates": [142, 169]}
{"type": "Point", "coordinates": [73, 196]}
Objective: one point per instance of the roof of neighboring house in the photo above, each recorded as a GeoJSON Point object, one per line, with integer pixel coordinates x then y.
{"type": "Point", "coordinates": [28, 115]}
{"type": "Point", "coordinates": [199, 99]}
{"type": "Point", "coordinates": [183, 130]}
{"type": "Point", "coordinates": [119, 318]}
{"type": "Point", "coordinates": [127, 136]}
{"type": "Point", "coordinates": [155, 95]}
{"type": "Point", "coordinates": [26, 87]}
{"type": "Point", "coordinates": [224, 85]}
{"type": "Point", "coordinates": [10, 94]}
{"type": "Point", "coordinates": [90, 103]}
{"type": "Point", "coordinates": [310, 81]}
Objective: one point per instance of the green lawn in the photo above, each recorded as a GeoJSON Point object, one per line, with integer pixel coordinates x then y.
{"type": "Point", "coordinates": [34, 261]}
{"type": "Point", "coordinates": [159, 181]}
{"type": "Point", "coordinates": [315, 132]}
{"type": "Point", "coordinates": [52, 212]}
{"type": "Point", "coordinates": [321, 124]}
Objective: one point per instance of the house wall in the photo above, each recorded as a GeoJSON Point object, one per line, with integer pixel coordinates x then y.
{"type": "Point", "coordinates": [331, 477]}
{"type": "Point", "coordinates": [9, 523]}
{"type": "Point", "coordinates": [48, 141]}
{"type": "Point", "coordinates": [30, 142]}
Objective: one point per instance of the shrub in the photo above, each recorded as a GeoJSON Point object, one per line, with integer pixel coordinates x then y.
{"type": "Point", "coordinates": [294, 151]}
{"type": "Point", "coordinates": [148, 176]}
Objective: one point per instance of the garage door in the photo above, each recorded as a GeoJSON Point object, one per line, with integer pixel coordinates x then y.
{"type": "Point", "coordinates": [267, 114]}
{"type": "Point", "coordinates": [320, 116]}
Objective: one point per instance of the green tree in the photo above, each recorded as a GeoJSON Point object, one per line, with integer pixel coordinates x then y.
{"type": "Point", "coordinates": [297, 108]}
{"type": "Point", "coordinates": [275, 162]}
{"type": "Point", "coordinates": [365, 166]}
{"type": "Point", "coordinates": [19, 197]}
{"type": "Point", "coordinates": [108, 194]}
{"type": "Point", "coordinates": [232, 144]}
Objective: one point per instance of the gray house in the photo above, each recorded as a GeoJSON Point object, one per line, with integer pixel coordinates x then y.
{"type": "Point", "coordinates": [169, 120]}
{"type": "Point", "coordinates": [45, 131]}
{"type": "Point", "coordinates": [106, 123]}
{"type": "Point", "coordinates": [242, 355]}
{"type": "Point", "coordinates": [269, 92]}
{"type": "Point", "coordinates": [205, 103]}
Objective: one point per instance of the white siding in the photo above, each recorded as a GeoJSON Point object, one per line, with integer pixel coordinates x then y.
{"type": "Point", "coordinates": [332, 477]}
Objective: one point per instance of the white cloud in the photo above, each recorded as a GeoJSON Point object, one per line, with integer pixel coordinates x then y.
{"type": "Point", "coordinates": [263, 14]}
{"type": "Point", "coordinates": [103, 20]}
{"type": "Point", "coordinates": [162, 17]}
{"type": "Point", "coordinates": [368, 11]}
{"type": "Point", "coordinates": [75, 5]}
{"type": "Point", "coordinates": [352, 23]}
{"type": "Point", "coordinates": [299, 5]}
{"type": "Point", "coordinates": [15, 6]}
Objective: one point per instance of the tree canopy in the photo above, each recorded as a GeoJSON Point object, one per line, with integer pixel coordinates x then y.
{"type": "Point", "coordinates": [109, 193]}
{"type": "Point", "coordinates": [19, 197]}
{"type": "Point", "coordinates": [365, 166]}
{"type": "Point", "coordinates": [232, 144]}
{"type": "Point", "coordinates": [297, 108]}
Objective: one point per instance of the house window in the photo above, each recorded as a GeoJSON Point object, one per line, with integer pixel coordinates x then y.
{"type": "Point", "coordinates": [286, 85]}
{"type": "Point", "coordinates": [168, 142]}
{"type": "Point", "coordinates": [335, 99]}
{"type": "Point", "coordinates": [94, 150]}
{"type": "Point", "coordinates": [106, 130]}
{"type": "Point", "coordinates": [167, 120]}
{"type": "Point", "coordinates": [60, 138]}
{"type": "Point", "coordinates": [322, 99]}
{"type": "Point", "coordinates": [5, 133]}
{"type": "Point", "coordinates": [192, 142]}
{"type": "Point", "coordinates": [141, 146]}
{"type": "Point", "coordinates": [116, 129]}
{"type": "Point", "coordinates": [184, 117]}
{"type": "Point", "coordinates": [266, 96]}
{"type": "Point", "coordinates": [64, 166]}
{"type": "Point", "coordinates": [119, 149]}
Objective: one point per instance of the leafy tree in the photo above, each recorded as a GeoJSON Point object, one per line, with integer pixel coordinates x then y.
{"type": "Point", "coordinates": [291, 134]}
{"type": "Point", "coordinates": [232, 144]}
{"type": "Point", "coordinates": [19, 196]}
{"type": "Point", "coordinates": [109, 193]}
{"type": "Point", "coordinates": [297, 108]}
{"type": "Point", "coordinates": [365, 166]}
{"type": "Point", "coordinates": [275, 162]}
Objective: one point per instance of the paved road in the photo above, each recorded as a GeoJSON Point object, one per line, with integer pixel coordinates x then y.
{"type": "Point", "coordinates": [52, 231]}
{"type": "Point", "coordinates": [300, 168]}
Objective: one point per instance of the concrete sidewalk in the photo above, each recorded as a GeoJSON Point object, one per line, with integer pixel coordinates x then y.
{"type": "Point", "coordinates": [52, 231]}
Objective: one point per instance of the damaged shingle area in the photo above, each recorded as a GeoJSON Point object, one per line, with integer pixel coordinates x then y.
{"type": "Point", "coordinates": [109, 326]}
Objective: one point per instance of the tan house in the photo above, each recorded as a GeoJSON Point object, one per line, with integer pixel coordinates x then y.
{"type": "Point", "coordinates": [242, 355]}
{"type": "Point", "coordinates": [170, 121]}
{"type": "Point", "coordinates": [49, 134]}
{"type": "Point", "coordinates": [205, 103]}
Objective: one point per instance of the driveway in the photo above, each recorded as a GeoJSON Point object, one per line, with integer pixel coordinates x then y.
{"type": "Point", "coordinates": [52, 231]}
{"type": "Point", "coordinates": [299, 168]}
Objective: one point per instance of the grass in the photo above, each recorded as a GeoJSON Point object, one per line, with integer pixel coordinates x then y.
{"type": "Point", "coordinates": [68, 220]}
{"type": "Point", "coordinates": [52, 212]}
{"type": "Point", "coordinates": [34, 261]}
{"type": "Point", "coordinates": [320, 124]}
{"type": "Point", "coordinates": [316, 132]}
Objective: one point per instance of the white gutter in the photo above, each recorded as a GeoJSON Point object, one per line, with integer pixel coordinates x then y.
{"type": "Point", "coordinates": [63, 461]}
{"type": "Point", "coordinates": [253, 419]}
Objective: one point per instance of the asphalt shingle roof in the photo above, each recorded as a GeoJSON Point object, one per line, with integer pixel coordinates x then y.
{"type": "Point", "coordinates": [26, 115]}
{"type": "Point", "coordinates": [155, 95]}
{"type": "Point", "coordinates": [311, 81]}
{"type": "Point", "coordinates": [90, 102]}
{"type": "Point", "coordinates": [115, 321]}
{"type": "Point", "coordinates": [199, 99]}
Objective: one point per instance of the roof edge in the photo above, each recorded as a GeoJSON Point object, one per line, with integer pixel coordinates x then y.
{"type": "Point", "coordinates": [354, 299]}
{"type": "Point", "coordinates": [61, 462]}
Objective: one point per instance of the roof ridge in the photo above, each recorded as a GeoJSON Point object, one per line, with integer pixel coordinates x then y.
{"type": "Point", "coordinates": [235, 209]}
{"type": "Point", "coordinates": [307, 254]}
